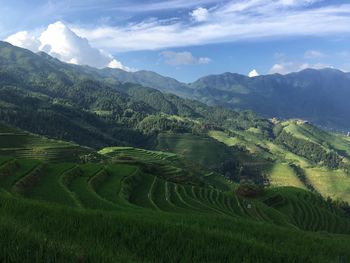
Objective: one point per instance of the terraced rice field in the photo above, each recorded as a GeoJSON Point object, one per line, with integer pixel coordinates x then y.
{"type": "Point", "coordinates": [295, 203]}
{"type": "Point", "coordinates": [205, 151]}
{"type": "Point", "coordinates": [167, 165]}
{"type": "Point", "coordinates": [138, 154]}
{"type": "Point", "coordinates": [124, 187]}
{"type": "Point", "coordinates": [27, 146]}
{"type": "Point", "coordinates": [85, 212]}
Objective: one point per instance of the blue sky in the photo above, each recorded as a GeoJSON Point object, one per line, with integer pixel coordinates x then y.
{"type": "Point", "coordinates": [185, 39]}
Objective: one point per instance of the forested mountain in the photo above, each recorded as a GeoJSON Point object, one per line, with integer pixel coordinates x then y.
{"type": "Point", "coordinates": [43, 95]}
{"type": "Point", "coordinates": [148, 79]}
{"type": "Point", "coordinates": [317, 95]}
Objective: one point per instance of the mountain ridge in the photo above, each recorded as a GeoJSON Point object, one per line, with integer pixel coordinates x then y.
{"type": "Point", "coordinates": [306, 94]}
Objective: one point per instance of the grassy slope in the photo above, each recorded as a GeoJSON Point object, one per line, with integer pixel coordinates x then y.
{"type": "Point", "coordinates": [129, 216]}
{"type": "Point", "coordinates": [152, 220]}
{"type": "Point", "coordinates": [333, 183]}
{"type": "Point", "coordinates": [283, 175]}
{"type": "Point", "coordinates": [46, 231]}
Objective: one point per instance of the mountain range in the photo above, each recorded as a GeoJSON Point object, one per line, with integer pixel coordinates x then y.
{"type": "Point", "coordinates": [43, 95]}
{"type": "Point", "coordinates": [320, 96]}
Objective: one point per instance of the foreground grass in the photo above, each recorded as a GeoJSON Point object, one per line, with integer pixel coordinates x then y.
{"type": "Point", "coordinates": [33, 232]}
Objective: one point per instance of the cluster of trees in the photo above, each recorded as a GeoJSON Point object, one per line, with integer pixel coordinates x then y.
{"type": "Point", "coordinates": [309, 150]}
{"type": "Point", "coordinates": [231, 169]}
{"type": "Point", "coordinates": [302, 177]}
{"type": "Point", "coordinates": [339, 203]}
{"type": "Point", "coordinates": [160, 122]}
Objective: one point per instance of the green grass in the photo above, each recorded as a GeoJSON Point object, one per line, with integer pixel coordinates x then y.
{"type": "Point", "coordinates": [283, 175]}
{"type": "Point", "coordinates": [25, 166]}
{"type": "Point", "coordinates": [136, 153]}
{"type": "Point", "coordinates": [141, 194]}
{"type": "Point", "coordinates": [116, 212]}
{"type": "Point", "coordinates": [202, 150]}
{"type": "Point", "coordinates": [48, 233]}
{"type": "Point", "coordinates": [333, 183]}
{"type": "Point", "coordinates": [20, 144]}
{"type": "Point", "coordinates": [307, 211]}
{"type": "Point", "coordinates": [111, 186]}
{"type": "Point", "coordinates": [162, 208]}
{"type": "Point", "coordinates": [82, 189]}
{"type": "Point", "coordinates": [50, 187]}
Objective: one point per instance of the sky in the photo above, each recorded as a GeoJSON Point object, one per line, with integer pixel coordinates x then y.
{"type": "Point", "coordinates": [184, 39]}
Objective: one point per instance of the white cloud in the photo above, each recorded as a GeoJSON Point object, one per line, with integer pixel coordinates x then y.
{"type": "Point", "coordinates": [61, 42]}
{"type": "Point", "coordinates": [183, 58]}
{"type": "Point", "coordinates": [253, 73]}
{"type": "Point", "coordinates": [25, 40]}
{"type": "Point", "coordinates": [314, 54]}
{"type": "Point", "coordinates": [200, 14]}
{"type": "Point", "coordinates": [229, 21]}
{"type": "Point", "coordinates": [147, 6]}
{"type": "Point", "coordinates": [288, 67]}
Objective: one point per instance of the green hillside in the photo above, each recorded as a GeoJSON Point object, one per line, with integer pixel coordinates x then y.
{"type": "Point", "coordinates": [300, 164]}
{"type": "Point", "coordinates": [138, 203]}
{"type": "Point", "coordinates": [126, 214]}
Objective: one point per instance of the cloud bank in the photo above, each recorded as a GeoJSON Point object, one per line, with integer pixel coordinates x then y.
{"type": "Point", "coordinates": [61, 42]}
{"type": "Point", "coordinates": [289, 67]}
